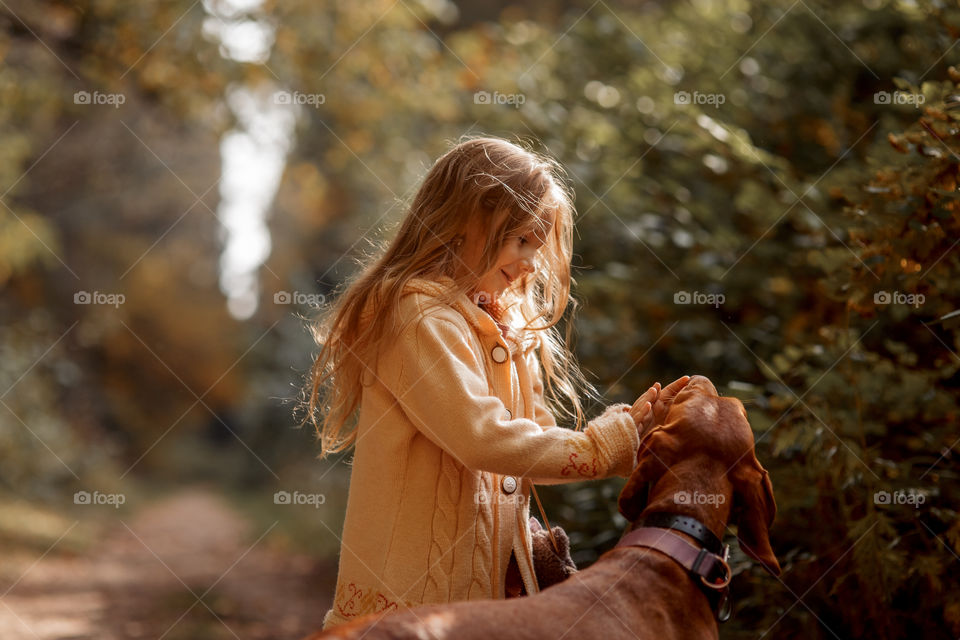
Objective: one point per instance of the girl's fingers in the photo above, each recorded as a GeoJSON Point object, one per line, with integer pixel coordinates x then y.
{"type": "Point", "coordinates": [650, 395]}
{"type": "Point", "coordinates": [676, 386]}
{"type": "Point", "coordinates": [643, 414]}
{"type": "Point", "coordinates": [667, 396]}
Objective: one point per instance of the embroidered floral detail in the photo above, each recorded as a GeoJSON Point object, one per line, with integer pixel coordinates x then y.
{"type": "Point", "coordinates": [585, 469]}
{"type": "Point", "coordinates": [354, 601]}
{"type": "Point", "coordinates": [383, 604]}
{"type": "Point", "coordinates": [349, 608]}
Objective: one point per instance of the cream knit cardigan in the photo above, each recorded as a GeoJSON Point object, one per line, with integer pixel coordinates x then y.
{"type": "Point", "coordinates": [452, 420]}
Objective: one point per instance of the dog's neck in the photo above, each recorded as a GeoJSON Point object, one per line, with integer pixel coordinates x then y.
{"type": "Point", "coordinates": [698, 488]}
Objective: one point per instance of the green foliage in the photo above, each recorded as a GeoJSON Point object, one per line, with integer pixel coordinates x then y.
{"type": "Point", "coordinates": [847, 397]}
{"type": "Point", "coordinates": [791, 204]}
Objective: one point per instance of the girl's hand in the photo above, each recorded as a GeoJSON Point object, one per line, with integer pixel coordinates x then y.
{"type": "Point", "coordinates": [642, 410]}
{"type": "Point", "coordinates": [665, 399]}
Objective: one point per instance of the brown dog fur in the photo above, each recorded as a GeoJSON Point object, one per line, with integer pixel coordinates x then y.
{"type": "Point", "coordinates": [705, 446]}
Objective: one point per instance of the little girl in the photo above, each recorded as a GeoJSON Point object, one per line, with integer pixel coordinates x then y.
{"type": "Point", "coordinates": [438, 347]}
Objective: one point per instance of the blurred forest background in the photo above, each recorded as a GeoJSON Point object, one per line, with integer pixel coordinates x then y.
{"type": "Point", "coordinates": [766, 193]}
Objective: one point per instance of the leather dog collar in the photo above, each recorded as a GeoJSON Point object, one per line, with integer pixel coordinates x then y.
{"type": "Point", "coordinates": [690, 526]}
{"type": "Point", "coordinates": [712, 569]}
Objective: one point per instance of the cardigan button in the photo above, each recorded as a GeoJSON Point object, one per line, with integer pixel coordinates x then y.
{"type": "Point", "coordinates": [508, 484]}
{"type": "Point", "coordinates": [499, 354]}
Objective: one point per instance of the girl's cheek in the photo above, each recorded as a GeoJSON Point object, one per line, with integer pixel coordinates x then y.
{"type": "Point", "coordinates": [507, 256]}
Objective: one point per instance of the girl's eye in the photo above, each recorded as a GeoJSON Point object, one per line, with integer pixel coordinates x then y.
{"type": "Point", "coordinates": [523, 241]}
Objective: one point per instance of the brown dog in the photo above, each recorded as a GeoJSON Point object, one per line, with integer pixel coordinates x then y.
{"type": "Point", "coordinates": [699, 463]}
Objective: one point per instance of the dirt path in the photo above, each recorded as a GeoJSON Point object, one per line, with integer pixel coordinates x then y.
{"type": "Point", "coordinates": [183, 568]}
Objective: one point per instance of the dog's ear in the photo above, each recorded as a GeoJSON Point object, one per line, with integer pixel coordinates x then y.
{"type": "Point", "coordinates": [633, 497]}
{"type": "Point", "coordinates": [755, 513]}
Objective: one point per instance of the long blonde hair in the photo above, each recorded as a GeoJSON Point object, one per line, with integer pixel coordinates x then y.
{"type": "Point", "coordinates": [484, 189]}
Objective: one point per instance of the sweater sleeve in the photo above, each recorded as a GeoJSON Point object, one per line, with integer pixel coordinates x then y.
{"type": "Point", "coordinates": [543, 416]}
{"type": "Point", "coordinates": [442, 388]}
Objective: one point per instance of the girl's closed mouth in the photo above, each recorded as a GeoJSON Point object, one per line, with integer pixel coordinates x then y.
{"type": "Point", "coordinates": [507, 276]}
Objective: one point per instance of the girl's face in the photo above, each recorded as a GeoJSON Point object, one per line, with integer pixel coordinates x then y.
{"type": "Point", "coordinates": [517, 258]}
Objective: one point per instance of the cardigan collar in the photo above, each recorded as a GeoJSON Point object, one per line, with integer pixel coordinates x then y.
{"type": "Point", "coordinates": [477, 317]}
{"type": "Point", "coordinates": [441, 286]}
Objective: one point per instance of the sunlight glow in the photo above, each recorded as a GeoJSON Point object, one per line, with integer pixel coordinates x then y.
{"type": "Point", "coordinates": [253, 155]}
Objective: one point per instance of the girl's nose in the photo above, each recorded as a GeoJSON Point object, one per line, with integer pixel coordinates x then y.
{"type": "Point", "coordinates": [526, 264]}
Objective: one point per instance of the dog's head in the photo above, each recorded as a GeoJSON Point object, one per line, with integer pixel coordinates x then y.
{"type": "Point", "coordinates": [701, 423]}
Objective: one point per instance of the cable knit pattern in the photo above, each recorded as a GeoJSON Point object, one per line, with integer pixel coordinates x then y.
{"type": "Point", "coordinates": [440, 422]}
{"type": "Point", "coordinates": [482, 550]}
{"type": "Point", "coordinates": [444, 528]}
